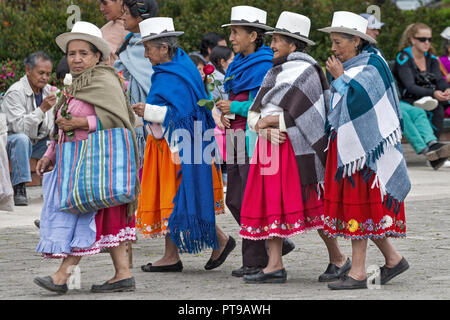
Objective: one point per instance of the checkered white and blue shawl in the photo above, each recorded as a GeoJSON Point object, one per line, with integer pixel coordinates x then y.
{"type": "Point", "coordinates": [366, 119]}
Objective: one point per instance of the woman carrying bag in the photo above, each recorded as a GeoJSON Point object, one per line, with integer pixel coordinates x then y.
{"type": "Point", "coordinates": [96, 98]}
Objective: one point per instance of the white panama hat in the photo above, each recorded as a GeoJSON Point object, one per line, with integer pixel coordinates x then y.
{"type": "Point", "coordinates": [293, 25]}
{"type": "Point", "coordinates": [372, 21]}
{"type": "Point", "coordinates": [446, 33]}
{"type": "Point", "coordinates": [86, 31]}
{"type": "Point", "coordinates": [349, 23]}
{"type": "Point", "coordinates": [159, 27]}
{"type": "Point", "coordinates": [248, 16]}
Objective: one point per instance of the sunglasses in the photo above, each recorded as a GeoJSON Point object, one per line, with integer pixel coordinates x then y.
{"type": "Point", "coordinates": [423, 39]}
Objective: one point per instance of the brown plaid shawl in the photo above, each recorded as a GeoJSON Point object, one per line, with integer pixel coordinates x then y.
{"type": "Point", "coordinates": [297, 84]}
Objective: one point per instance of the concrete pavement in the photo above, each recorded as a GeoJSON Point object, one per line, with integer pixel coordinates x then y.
{"type": "Point", "coordinates": [426, 247]}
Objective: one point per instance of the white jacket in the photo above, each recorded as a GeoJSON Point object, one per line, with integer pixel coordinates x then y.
{"type": "Point", "coordinates": [22, 114]}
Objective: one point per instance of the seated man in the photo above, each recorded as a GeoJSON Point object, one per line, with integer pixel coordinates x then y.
{"type": "Point", "coordinates": [28, 108]}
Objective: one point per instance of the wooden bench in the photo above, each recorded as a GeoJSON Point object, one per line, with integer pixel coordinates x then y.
{"type": "Point", "coordinates": [445, 136]}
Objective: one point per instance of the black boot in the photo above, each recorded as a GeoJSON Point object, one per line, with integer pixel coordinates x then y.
{"type": "Point", "coordinates": [20, 195]}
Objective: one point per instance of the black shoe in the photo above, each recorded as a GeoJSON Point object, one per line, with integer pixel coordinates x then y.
{"type": "Point", "coordinates": [177, 267]}
{"type": "Point", "coordinates": [438, 163]}
{"type": "Point", "coordinates": [37, 223]}
{"type": "Point", "coordinates": [333, 272]}
{"type": "Point", "coordinates": [438, 151]}
{"type": "Point", "coordinates": [278, 276]}
{"type": "Point", "coordinates": [20, 195]}
{"type": "Point", "coordinates": [125, 285]}
{"type": "Point", "coordinates": [47, 283]}
{"type": "Point", "coordinates": [387, 274]}
{"type": "Point", "coordinates": [348, 283]}
{"type": "Point", "coordinates": [212, 264]}
{"type": "Point", "coordinates": [288, 246]}
{"type": "Point", "coordinates": [242, 271]}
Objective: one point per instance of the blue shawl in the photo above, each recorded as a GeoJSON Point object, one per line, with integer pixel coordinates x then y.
{"type": "Point", "coordinates": [366, 119]}
{"type": "Point", "coordinates": [136, 68]}
{"type": "Point", "coordinates": [249, 71]}
{"type": "Point", "coordinates": [178, 85]}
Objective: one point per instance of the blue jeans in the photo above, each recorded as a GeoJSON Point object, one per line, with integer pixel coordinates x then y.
{"type": "Point", "coordinates": [20, 151]}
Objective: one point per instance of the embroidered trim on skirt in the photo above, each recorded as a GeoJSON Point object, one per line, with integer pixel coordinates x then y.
{"type": "Point", "coordinates": [112, 228]}
{"type": "Point", "coordinates": [273, 205]}
{"type": "Point", "coordinates": [161, 177]}
{"type": "Point", "coordinates": [354, 210]}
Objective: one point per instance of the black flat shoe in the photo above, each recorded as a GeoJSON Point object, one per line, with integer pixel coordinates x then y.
{"type": "Point", "coordinates": [348, 283]}
{"type": "Point", "coordinates": [278, 276]}
{"type": "Point", "coordinates": [242, 271]}
{"type": "Point", "coordinates": [47, 283]}
{"type": "Point", "coordinates": [177, 267]}
{"type": "Point", "coordinates": [386, 274]}
{"type": "Point", "coordinates": [212, 264]}
{"type": "Point", "coordinates": [333, 272]}
{"type": "Point", "coordinates": [125, 285]}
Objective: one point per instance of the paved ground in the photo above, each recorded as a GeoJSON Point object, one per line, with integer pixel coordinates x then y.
{"type": "Point", "coordinates": [427, 248]}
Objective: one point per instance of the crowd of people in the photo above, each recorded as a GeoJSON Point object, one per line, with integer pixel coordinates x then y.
{"type": "Point", "coordinates": [298, 147]}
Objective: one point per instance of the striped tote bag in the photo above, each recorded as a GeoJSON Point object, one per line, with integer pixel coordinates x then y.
{"type": "Point", "coordinates": [97, 173]}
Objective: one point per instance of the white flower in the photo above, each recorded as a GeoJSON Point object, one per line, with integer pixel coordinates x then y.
{"type": "Point", "coordinates": [386, 222]}
{"type": "Point", "coordinates": [68, 79]}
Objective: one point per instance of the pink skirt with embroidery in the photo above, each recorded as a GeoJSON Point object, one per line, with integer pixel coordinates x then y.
{"type": "Point", "coordinates": [273, 204]}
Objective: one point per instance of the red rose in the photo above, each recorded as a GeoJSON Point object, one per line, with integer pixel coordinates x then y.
{"type": "Point", "coordinates": [208, 69]}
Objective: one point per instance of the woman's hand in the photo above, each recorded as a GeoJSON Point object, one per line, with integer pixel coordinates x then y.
{"type": "Point", "coordinates": [139, 109]}
{"type": "Point", "coordinates": [334, 66]}
{"type": "Point", "coordinates": [224, 106]}
{"type": "Point", "coordinates": [72, 124]}
{"type": "Point", "coordinates": [217, 119]}
{"type": "Point", "coordinates": [441, 96]}
{"type": "Point", "coordinates": [275, 136]}
{"type": "Point", "coordinates": [42, 165]}
{"type": "Point", "coordinates": [225, 121]}
{"type": "Point", "coordinates": [447, 93]}
{"type": "Point", "coordinates": [268, 122]}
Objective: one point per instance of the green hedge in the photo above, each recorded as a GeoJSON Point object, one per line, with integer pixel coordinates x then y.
{"type": "Point", "coordinates": [28, 26]}
{"type": "Point", "coordinates": [197, 17]}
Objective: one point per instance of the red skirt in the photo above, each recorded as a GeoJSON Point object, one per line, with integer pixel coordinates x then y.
{"type": "Point", "coordinates": [357, 212]}
{"type": "Point", "coordinates": [113, 227]}
{"type": "Point", "coordinates": [273, 205]}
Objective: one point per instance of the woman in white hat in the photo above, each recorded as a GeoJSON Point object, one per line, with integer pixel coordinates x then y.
{"type": "Point", "coordinates": [96, 95]}
{"type": "Point", "coordinates": [289, 115]}
{"type": "Point", "coordinates": [177, 199]}
{"type": "Point", "coordinates": [366, 179]}
{"type": "Point", "coordinates": [252, 61]}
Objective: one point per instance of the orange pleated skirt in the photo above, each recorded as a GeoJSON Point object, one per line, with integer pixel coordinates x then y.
{"type": "Point", "coordinates": [161, 178]}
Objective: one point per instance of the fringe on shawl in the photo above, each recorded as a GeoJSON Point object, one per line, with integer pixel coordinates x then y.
{"type": "Point", "coordinates": [347, 170]}
{"type": "Point", "coordinates": [198, 236]}
{"type": "Point", "coordinates": [80, 81]}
